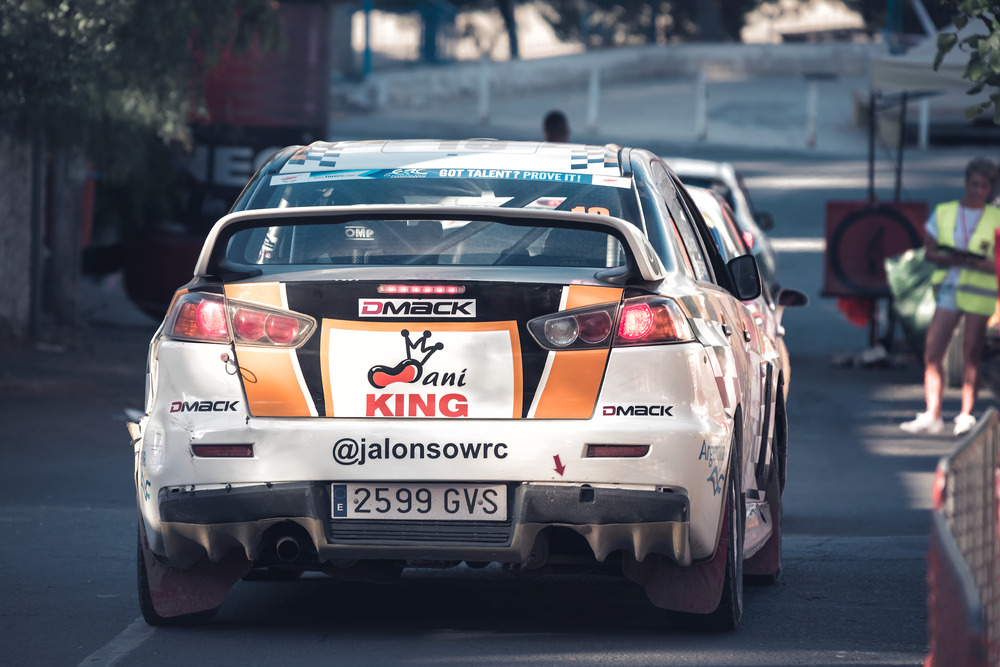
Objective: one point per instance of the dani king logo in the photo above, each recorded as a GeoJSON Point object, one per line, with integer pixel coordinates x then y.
{"type": "Point", "coordinates": [410, 371]}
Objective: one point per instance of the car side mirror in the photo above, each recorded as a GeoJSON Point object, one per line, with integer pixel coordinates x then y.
{"type": "Point", "coordinates": [791, 298]}
{"type": "Point", "coordinates": [745, 277]}
{"type": "Point", "coordinates": [765, 221]}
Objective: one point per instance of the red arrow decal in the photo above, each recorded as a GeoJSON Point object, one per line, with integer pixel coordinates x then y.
{"type": "Point", "coordinates": [559, 466]}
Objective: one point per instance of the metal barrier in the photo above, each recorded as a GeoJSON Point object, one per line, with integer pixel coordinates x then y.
{"type": "Point", "coordinates": [963, 579]}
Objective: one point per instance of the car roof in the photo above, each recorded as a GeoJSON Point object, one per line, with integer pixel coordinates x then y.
{"type": "Point", "coordinates": [706, 168]}
{"type": "Point", "coordinates": [476, 155]}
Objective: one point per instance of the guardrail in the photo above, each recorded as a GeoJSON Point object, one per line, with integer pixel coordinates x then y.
{"type": "Point", "coordinates": [963, 580]}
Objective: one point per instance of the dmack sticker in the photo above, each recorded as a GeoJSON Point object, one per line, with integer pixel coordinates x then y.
{"type": "Point", "coordinates": [637, 410]}
{"type": "Point", "coordinates": [449, 370]}
{"type": "Point", "coordinates": [352, 451]}
{"type": "Point", "coordinates": [416, 307]}
{"type": "Point", "coordinates": [204, 406]}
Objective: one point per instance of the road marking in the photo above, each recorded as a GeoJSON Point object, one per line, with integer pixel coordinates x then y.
{"type": "Point", "coordinates": [127, 641]}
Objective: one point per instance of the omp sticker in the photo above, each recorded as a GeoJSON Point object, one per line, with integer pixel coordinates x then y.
{"type": "Point", "coordinates": [572, 379]}
{"type": "Point", "coordinates": [421, 370]}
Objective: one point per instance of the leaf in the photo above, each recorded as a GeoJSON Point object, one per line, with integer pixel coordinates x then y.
{"type": "Point", "coordinates": [976, 89]}
{"type": "Point", "coordinates": [975, 110]}
{"type": "Point", "coordinates": [945, 42]}
{"type": "Point", "coordinates": [960, 21]}
{"type": "Point", "coordinates": [976, 70]}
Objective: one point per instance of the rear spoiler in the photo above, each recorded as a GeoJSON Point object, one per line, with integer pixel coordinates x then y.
{"type": "Point", "coordinates": [643, 262]}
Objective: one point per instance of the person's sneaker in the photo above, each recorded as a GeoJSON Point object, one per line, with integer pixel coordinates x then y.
{"type": "Point", "coordinates": [924, 423]}
{"type": "Point", "coordinates": [964, 423]}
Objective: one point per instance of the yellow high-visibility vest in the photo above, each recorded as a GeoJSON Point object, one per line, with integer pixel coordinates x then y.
{"type": "Point", "coordinates": [977, 291]}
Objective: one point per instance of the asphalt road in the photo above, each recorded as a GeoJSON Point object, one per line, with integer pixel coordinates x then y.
{"type": "Point", "coordinates": [856, 520]}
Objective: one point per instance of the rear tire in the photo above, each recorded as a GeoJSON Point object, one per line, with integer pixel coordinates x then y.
{"type": "Point", "coordinates": [780, 439]}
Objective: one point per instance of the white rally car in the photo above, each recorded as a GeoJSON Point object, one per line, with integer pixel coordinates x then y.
{"type": "Point", "coordinates": [401, 354]}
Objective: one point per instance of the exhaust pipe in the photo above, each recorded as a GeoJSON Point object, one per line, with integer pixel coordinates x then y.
{"type": "Point", "coordinates": [288, 549]}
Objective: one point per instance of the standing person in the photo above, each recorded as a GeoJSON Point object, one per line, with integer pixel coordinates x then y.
{"type": "Point", "coordinates": [556, 126]}
{"type": "Point", "coordinates": [959, 240]}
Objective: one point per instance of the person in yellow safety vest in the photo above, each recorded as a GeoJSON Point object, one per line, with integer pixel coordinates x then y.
{"type": "Point", "coordinates": [959, 240]}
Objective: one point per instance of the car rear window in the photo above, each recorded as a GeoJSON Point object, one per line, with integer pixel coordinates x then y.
{"type": "Point", "coordinates": [424, 242]}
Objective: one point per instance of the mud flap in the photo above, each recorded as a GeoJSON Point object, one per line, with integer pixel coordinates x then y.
{"type": "Point", "coordinates": [695, 589]}
{"type": "Point", "coordinates": [175, 592]}
{"type": "Point", "coordinates": [767, 561]}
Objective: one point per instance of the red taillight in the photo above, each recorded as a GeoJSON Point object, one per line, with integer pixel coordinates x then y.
{"type": "Point", "coordinates": [617, 451]}
{"type": "Point", "coordinates": [748, 239]}
{"type": "Point", "coordinates": [252, 325]}
{"type": "Point", "coordinates": [223, 451]}
{"type": "Point", "coordinates": [637, 322]}
{"type": "Point", "coordinates": [651, 320]}
{"type": "Point", "coordinates": [206, 317]}
{"type": "Point", "coordinates": [200, 317]}
{"type": "Point", "coordinates": [212, 318]}
{"type": "Point", "coordinates": [280, 329]}
{"type": "Point", "coordinates": [249, 324]}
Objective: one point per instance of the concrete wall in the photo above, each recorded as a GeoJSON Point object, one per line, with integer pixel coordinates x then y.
{"type": "Point", "coordinates": [418, 85]}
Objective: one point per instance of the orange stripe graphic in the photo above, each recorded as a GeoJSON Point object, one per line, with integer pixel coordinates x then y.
{"type": "Point", "coordinates": [268, 294]}
{"type": "Point", "coordinates": [583, 295]}
{"type": "Point", "coordinates": [270, 383]}
{"type": "Point", "coordinates": [575, 376]}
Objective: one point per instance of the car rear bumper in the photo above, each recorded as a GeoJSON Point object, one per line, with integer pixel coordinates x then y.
{"type": "Point", "coordinates": [638, 522]}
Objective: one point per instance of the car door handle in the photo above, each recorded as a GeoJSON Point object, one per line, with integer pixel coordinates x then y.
{"type": "Point", "coordinates": [746, 336]}
{"type": "Point", "coordinates": [726, 330]}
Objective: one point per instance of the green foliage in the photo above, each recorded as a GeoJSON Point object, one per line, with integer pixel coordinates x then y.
{"type": "Point", "coordinates": [983, 68]}
{"type": "Point", "coordinates": [98, 74]}
{"type": "Point", "coordinates": [605, 23]}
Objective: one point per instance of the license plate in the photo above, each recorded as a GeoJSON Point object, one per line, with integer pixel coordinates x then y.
{"type": "Point", "coordinates": [420, 502]}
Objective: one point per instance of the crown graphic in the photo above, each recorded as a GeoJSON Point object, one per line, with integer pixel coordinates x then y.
{"type": "Point", "coordinates": [420, 345]}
